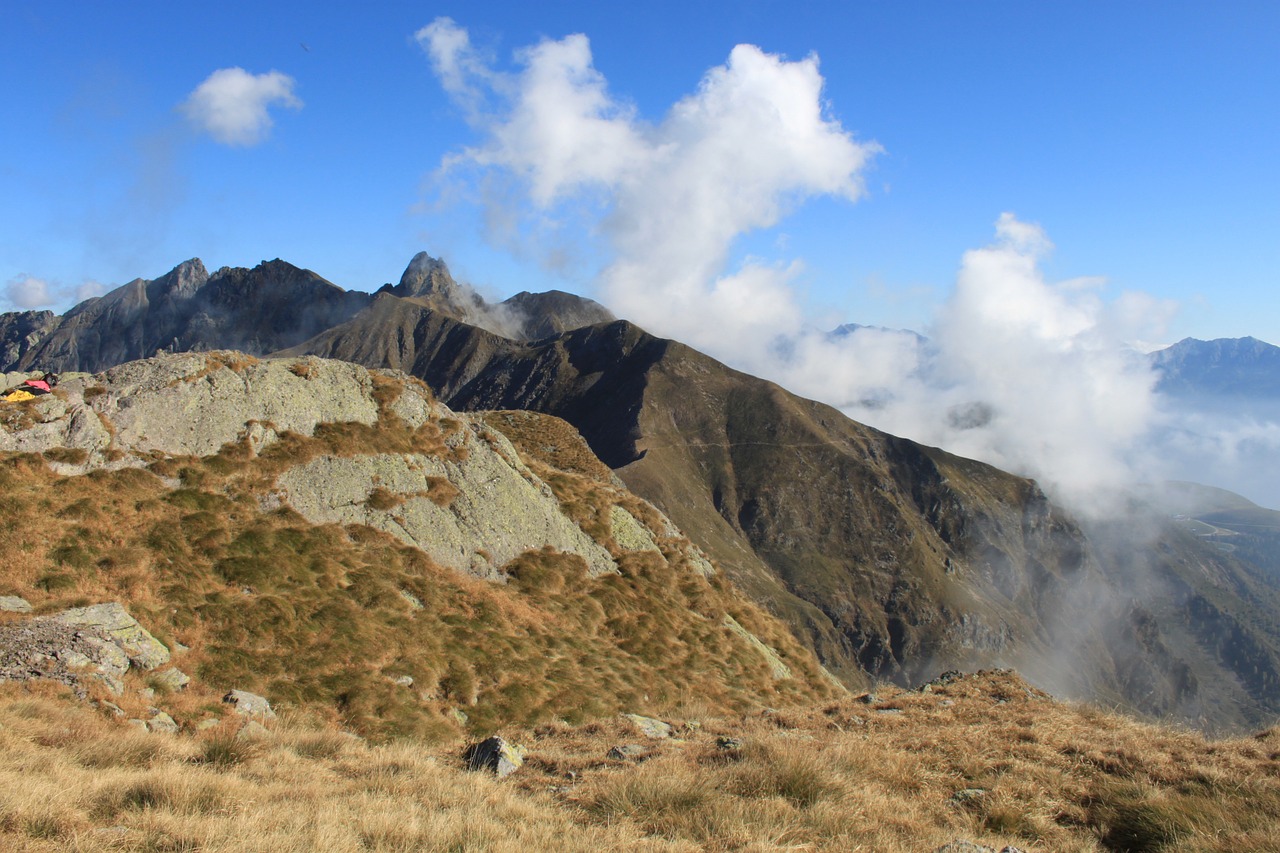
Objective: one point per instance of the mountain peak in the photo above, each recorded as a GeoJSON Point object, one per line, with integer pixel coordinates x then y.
{"type": "Point", "coordinates": [427, 276]}
{"type": "Point", "coordinates": [181, 282]}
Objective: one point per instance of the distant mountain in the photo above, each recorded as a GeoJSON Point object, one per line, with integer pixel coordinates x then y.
{"type": "Point", "coordinates": [272, 306]}
{"type": "Point", "coordinates": [1226, 367]}
{"type": "Point", "coordinates": [21, 331]}
{"type": "Point", "coordinates": [890, 559]}
{"type": "Point", "coordinates": [846, 329]}
{"type": "Point", "coordinates": [543, 315]}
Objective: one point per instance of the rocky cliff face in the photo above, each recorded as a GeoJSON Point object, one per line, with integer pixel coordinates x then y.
{"type": "Point", "coordinates": [269, 307]}
{"type": "Point", "coordinates": [22, 331]}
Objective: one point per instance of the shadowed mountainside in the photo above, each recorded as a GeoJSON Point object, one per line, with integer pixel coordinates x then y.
{"type": "Point", "coordinates": [890, 558]}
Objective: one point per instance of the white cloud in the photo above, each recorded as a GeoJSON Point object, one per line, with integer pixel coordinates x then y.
{"type": "Point", "coordinates": [231, 105]}
{"type": "Point", "coordinates": [27, 292]}
{"type": "Point", "coordinates": [1025, 373]}
{"type": "Point", "coordinates": [1032, 375]}
{"type": "Point", "coordinates": [751, 142]}
{"type": "Point", "coordinates": [456, 62]}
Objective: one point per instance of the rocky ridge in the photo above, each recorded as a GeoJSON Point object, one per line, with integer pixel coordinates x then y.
{"type": "Point", "coordinates": [270, 307]}
{"type": "Point", "coordinates": [195, 404]}
{"type": "Point", "coordinates": [304, 524]}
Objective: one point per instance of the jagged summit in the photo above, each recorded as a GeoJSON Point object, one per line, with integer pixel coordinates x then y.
{"type": "Point", "coordinates": [425, 277]}
{"type": "Point", "coordinates": [181, 282]}
{"type": "Point", "coordinates": [272, 306]}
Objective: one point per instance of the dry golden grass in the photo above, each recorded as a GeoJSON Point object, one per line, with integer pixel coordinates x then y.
{"type": "Point", "coordinates": [984, 758]}
{"type": "Point", "coordinates": [70, 780]}
{"type": "Point", "coordinates": [549, 440]}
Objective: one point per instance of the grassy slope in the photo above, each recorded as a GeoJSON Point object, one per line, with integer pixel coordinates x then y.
{"type": "Point", "coordinates": [324, 618]}
{"type": "Point", "coordinates": [984, 758]}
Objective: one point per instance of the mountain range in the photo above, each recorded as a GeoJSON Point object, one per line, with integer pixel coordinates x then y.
{"type": "Point", "coordinates": [1225, 367]}
{"type": "Point", "coordinates": [889, 560]}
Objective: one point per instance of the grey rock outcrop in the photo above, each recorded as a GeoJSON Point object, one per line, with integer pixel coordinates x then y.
{"type": "Point", "coordinates": [777, 668]}
{"type": "Point", "coordinates": [78, 648]}
{"type": "Point", "coordinates": [196, 403]}
{"type": "Point", "coordinates": [649, 727]}
{"type": "Point", "coordinates": [143, 650]}
{"type": "Point", "coordinates": [629, 533]}
{"type": "Point", "coordinates": [14, 604]}
{"type": "Point", "coordinates": [499, 512]}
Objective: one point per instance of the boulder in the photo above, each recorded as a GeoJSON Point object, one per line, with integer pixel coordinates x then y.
{"type": "Point", "coordinates": [249, 704]}
{"type": "Point", "coordinates": [172, 679]}
{"type": "Point", "coordinates": [14, 604]}
{"type": "Point", "coordinates": [161, 722]}
{"type": "Point", "coordinates": [496, 756]}
{"type": "Point", "coordinates": [649, 727]}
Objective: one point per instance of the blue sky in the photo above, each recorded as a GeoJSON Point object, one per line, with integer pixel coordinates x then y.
{"type": "Point", "coordinates": [1141, 137]}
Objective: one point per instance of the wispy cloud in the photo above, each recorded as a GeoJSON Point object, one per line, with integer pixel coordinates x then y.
{"type": "Point", "coordinates": [27, 292]}
{"type": "Point", "coordinates": [232, 105]}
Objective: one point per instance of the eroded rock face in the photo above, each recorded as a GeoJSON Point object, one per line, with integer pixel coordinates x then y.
{"type": "Point", "coordinates": [79, 647]}
{"type": "Point", "coordinates": [144, 651]}
{"type": "Point", "coordinates": [498, 512]}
